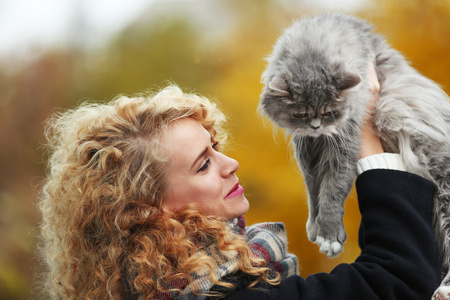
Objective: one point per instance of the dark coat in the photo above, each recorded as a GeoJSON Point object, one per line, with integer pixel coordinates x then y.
{"type": "Point", "coordinates": [399, 256]}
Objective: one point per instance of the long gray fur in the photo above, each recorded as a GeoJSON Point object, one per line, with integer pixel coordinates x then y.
{"type": "Point", "coordinates": [316, 87]}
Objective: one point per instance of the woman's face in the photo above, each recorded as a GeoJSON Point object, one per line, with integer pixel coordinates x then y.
{"type": "Point", "coordinates": [200, 174]}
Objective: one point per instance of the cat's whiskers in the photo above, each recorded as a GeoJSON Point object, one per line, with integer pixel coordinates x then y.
{"type": "Point", "coordinates": [334, 146]}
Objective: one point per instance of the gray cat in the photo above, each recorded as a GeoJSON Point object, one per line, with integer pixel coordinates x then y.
{"type": "Point", "coordinates": [316, 87]}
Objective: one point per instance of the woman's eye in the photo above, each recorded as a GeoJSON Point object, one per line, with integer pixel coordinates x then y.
{"type": "Point", "coordinates": [215, 146]}
{"type": "Point", "coordinates": [299, 115]}
{"type": "Point", "coordinates": [205, 166]}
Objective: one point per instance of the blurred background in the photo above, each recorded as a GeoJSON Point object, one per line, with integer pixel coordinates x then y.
{"type": "Point", "coordinates": [57, 53]}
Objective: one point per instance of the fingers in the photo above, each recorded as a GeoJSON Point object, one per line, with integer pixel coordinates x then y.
{"type": "Point", "coordinates": [370, 141]}
{"type": "Point", "coordinates": [374, 86]}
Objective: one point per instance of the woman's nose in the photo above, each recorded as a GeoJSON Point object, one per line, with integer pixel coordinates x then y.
{"type": "Point", "coordinates": [230, 165]}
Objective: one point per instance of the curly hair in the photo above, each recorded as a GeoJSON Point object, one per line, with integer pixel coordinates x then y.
{"type": "Point", "coordinates": [103, 230]}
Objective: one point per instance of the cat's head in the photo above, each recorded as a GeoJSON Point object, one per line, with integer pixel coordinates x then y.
{"type": "Point", "coordinates": [310, 106]}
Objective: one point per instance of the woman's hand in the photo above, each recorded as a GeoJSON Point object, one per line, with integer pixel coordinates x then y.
{"type": "Point", "coordinates": [370, 141]}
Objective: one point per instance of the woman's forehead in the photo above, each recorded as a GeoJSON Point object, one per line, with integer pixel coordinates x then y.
{"type": "Point", "coordinates": [185, 140]}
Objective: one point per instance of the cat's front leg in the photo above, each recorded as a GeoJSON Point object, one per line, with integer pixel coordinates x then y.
{"type": "Point", "coordinates": [328, 167]}
{"type": "Point", "coordinates": [331, 233]}
{"type": "Point", "coordinates": [442, 221]}
{"type": "Point", "coordinates": [327, 191]}
{"type": "Point", "coordinates": [312, 228]}
{"type": "Point", "coordinates": [336, 183]}
{"type": "Point", "coordinates": [313, 186]}
{"type": "Point", "coordinates": [305, 155]}
{"type": "Point", "coordinates": [442, 293]}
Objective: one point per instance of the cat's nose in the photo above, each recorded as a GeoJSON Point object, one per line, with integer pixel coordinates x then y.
{"type": "Point", "coordinates": [315, 124]}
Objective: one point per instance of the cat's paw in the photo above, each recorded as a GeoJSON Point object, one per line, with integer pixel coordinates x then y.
{"type": "Point", "coordinates": [329, 247]}
{"type": "Point", "coordinates": [442, 293]}
{"type": "Point", "coordinates": [331, 238]}
{"type": "Point", "coordinates": [312, 228]}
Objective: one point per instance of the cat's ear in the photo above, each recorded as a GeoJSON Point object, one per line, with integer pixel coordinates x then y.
{"type": "Point", "coordinates": [278, 87]}
{"type": "Point", "coordinates": [347, 81]}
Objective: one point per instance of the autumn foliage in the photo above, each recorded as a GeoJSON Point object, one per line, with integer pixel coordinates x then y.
{"type": "Point", "coordinates": [216, 50]}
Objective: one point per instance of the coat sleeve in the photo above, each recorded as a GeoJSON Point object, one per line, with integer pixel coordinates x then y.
{"type": "Point", "coordinates": [399, 256]}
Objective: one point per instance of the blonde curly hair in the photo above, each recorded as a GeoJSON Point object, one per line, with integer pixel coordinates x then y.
{"type": "Point", "coordinates": [103, 230]}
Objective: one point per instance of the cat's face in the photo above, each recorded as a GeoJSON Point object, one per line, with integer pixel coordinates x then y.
{"type": "Point", "coordinates": [306, 108]}
{"type": "Point", "coordinates": [310, 119]}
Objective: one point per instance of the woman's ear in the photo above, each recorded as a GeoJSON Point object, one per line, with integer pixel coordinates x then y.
{"type": "Point", "coordinates": [168, 205]}
{"type": "Point", "coordinates": [164, 207]}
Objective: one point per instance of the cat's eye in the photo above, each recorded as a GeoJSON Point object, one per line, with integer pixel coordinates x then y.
{"type": "Point", "coordinates": [299, 115]}
{"type": "Point", "coordinates": [329, 114]}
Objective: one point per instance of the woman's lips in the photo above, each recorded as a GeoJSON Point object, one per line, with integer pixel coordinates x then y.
{"type": "Point", "coordinates": [235, 191]}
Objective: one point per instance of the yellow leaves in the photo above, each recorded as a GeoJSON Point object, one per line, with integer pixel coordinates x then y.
{"type": "Point", "coordinates": [225, 64]}
{"type": "Point", "coordinates": [420, 30]}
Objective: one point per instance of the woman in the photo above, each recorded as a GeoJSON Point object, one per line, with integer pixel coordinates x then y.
{"type": "Point", "coordinates": [140, 204]}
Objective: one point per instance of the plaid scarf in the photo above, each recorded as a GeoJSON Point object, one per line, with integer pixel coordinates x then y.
{"type": "Point", "coordinates": [267, 241]}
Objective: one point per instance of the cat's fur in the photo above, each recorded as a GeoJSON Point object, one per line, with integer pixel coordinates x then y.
{"type": "Point", "coordinates": [316, 87]}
